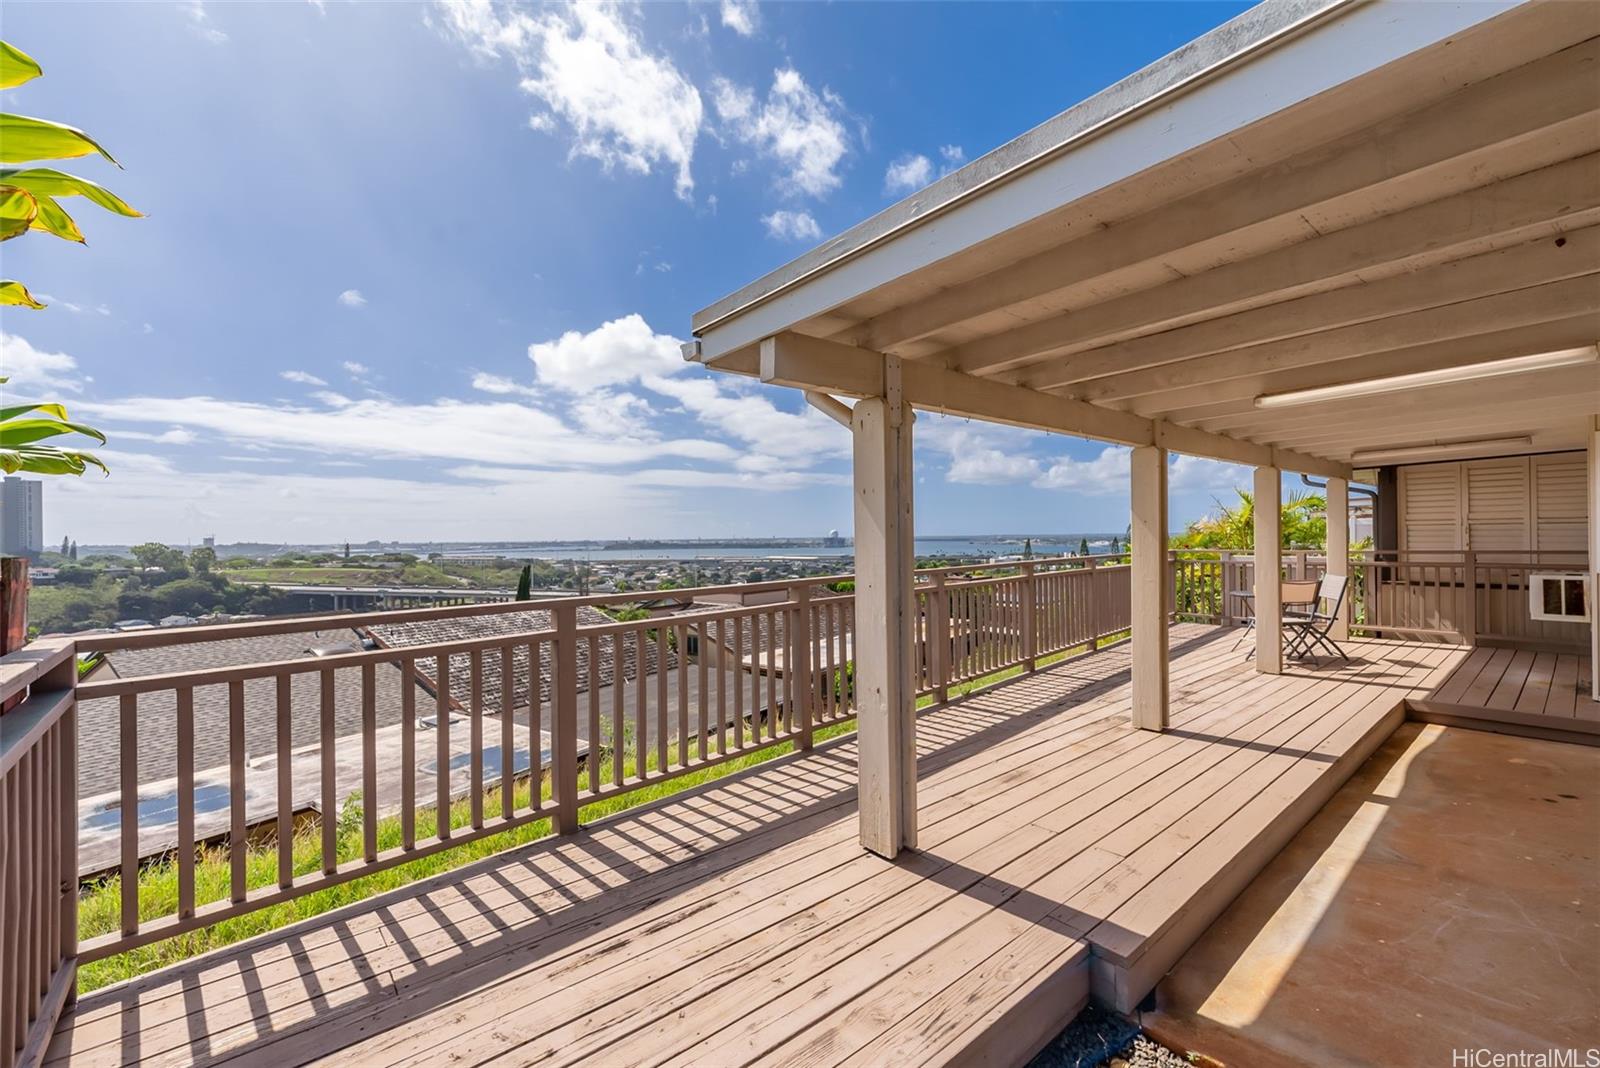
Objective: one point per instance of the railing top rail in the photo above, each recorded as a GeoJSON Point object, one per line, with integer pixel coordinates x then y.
{"type": "Point", "coordinates": [21, 669]}
{"type": "Point", "coordinates": [168, 636]}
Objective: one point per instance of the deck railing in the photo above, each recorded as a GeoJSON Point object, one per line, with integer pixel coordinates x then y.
{"type": "Point", "coordinates": [38, 847]}
{"type": "Point", "coordinates": [553, 708]}
{"type": "Point", "coordinates": [342, 762]}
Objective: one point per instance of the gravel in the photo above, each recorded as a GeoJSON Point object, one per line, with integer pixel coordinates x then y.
{"type": "Point", "coordinates": [1101, 1039]}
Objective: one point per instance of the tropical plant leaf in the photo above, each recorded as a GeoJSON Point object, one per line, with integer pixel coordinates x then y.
{"type": "Point", "coordinates": [16, 66]}
{"type": "Point", "coordinates": [54, 183]}
{"type": "Point", "coordinates": [12, 292]}
{"type": "Point", "coordinates": [23, 139]}
{"type": "Point", "coordinates": [53, 219]}
{"type": "Point", "coordinates": [57, 411]}
{"type": "Point", "coordinates": [26, 431]}
{"type": "Point", "coordinates": [48, 460]}
{"type": "Point", "coordinates": [18, 209]}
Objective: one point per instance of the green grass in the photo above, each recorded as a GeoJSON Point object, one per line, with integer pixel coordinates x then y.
{"type": "Point", "coordinates": [311, 576]}
{"type": "Point", "coordinates": [99, 909]}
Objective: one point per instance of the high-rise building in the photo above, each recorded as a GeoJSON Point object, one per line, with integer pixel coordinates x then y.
{"type": "Point", "coordinates": [21, 517]}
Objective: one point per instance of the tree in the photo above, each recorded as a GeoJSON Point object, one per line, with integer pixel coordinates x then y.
{"type": "Point", "coordinates": [1083, 546]}
{"type": "Point", "coordinates": [1304, 524]}
{"type": "Point", "coordinates": [1027, 548]}
{"type": "Point", "coordinates": [66, 545]}
{"type": "Point", "coordinates": [28, 201]}
{"type": "Point", "coordinates": [203, 559]}
{"type": "Point", "coordinates": [72, 553]}
{"type": "Point", "coordinates": [154, 554]}
{"type": "Point", "coordinates": [347, 550]}
{"type": "Point", "coordinates": [525, 583]}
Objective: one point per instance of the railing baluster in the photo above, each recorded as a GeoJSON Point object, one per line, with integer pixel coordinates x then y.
{"type": "Point", "coordinates": [129, 821]}
{"type": "Point", "coordinates": [618, 698]}
{"type": "Point", "coordinates": [236, 822]}
{"type": "Point", "coordinates": [593, 758]}
{"type": "Point", "coordinates": [329, 777]}
{"type": "Point", "coordinates": [660, 720]}
{"type": "Point", "coordinates": [284, 739]}
{"type": "Point", "coordinates": [185, 801]}
{"type": "Point", "coordinates": [475, 734]}
{"type": "Point", "coordinates": [408, 752]}
{"type": "Point", "coordinates": [737, 653]}
{"type": "Point", "coordinates": [508, 734]}
{"type": "Point", "coordinates": [369, 763]}
{"type": "Point", "coordinates": [702, 695]}
{"type": "Point", "coordinates": [441, 745]}
{"type": "Point", "coordinates": [535, 725]}
{"type": "Point", "coordinates": [681, 633]}
{"type": "Point", "coordinates": [772, 675]}
{"type": "Point", "coordinates": [564, 726]}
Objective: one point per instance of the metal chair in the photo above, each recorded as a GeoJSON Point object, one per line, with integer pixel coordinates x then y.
{"type": "Point", "coordinates": [1297, 597]}
{"type": "Point", "coordinates": [1304, 634]}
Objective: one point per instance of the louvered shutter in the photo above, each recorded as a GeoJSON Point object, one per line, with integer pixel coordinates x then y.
{"type": "Point", "coordinates": [1430, 508]}
{"type": "Point", "coordinates": [1497, 505]}
{"type": "Point", "coordinates": [1560, 502]}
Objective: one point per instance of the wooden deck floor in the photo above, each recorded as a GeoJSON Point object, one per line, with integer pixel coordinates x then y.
{"type": "Point", "coordinates": [1061, 851]}
{"type": "Point", "coordinates": [1517, 691]}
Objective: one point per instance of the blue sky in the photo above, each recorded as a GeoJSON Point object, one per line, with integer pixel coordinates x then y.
{"type": "Point", "coordinates": [420, 270]}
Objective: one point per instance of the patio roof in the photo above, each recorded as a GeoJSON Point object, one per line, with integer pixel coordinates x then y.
{"type": "Point", "coordinates": [1312, 195]}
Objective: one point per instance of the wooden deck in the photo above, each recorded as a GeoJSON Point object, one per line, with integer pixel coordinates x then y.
{"type": "Point", "coordinates": [1061, 853]}
{"type": "Point", "coordinates": [1517, 691]}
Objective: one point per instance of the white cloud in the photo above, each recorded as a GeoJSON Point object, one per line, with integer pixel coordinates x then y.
{"type": "Point", "coordinates": [148, 329]}
{"type": "Point", "coordinates": [1107, 473]}
{"type": "Point", "coordinates": [1196, 473]}
{"type": "Point", "coordinates": [500, 385]}
{"type": "Point", "coordinates": [741, 16]}
{"type": "Point", "coordinates": [352, 298]}
{"type": "Point", "coordinates": [176, 436]}
{"type": "Point", "coordinates": [305, 378]}
{"type": "Point", "coordinates": [796, 127]}
{"type": "Point", "coordinates": [625, 105]}
{"type": "Point", "coordinates": [28, 367]}
{"type": "Point", "coordinates": [908, 174]}
{"type": "Point", "coordinates": [792, 226]}
{"type": "Point", "coordinates": [356, 370]}
{"type": "Point", "coordinates": [200, 22]}
{"type": "Point", "coordinates": [74, 308]}
{"type": "Point", "coordinates": [614, 353]}
{"type": "Point", "coordinates": [911, 171]}
{"type": "Point", "coordinates": [499, 432]}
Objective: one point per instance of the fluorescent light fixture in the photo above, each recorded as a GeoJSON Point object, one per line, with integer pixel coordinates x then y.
{"type": "Point", "coordinates": [1543, 361]}
{"type": "Point", "coordinates": [1437, 449]}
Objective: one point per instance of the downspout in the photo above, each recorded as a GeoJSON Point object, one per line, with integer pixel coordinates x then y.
{"type": "Point", "coordinates": [1370, 494]}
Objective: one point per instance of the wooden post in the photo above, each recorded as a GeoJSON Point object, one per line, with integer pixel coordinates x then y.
{"type": "Point", "coordinates": [885, 612]}
{"type": "Point", "coordinates": [1150, 584]}
{"type": "Point", "coordinates": [1468, 627]}
{"type": "Point", "coordinates": [804, 643]}
{"type": "Point", "coordinates": [939, 638]}
{"type": "Point", "coordinates": [1269, 570]}
{"type": "Point", "coordinates": [1030, 604]}
{"type": "Point", "coordinates": [564, 719]}
{"type": "Point", "coordinates": [1338, 545]}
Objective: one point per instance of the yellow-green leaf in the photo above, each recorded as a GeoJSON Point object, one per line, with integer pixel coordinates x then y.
{"type": "Point", "coordinates": [53, 219]}
{"type": "Point", "coordinates": [23, 138]}
{"type": "Point", "coordinates": [18, 209]}
{"type": "Point", "coordinates": [16, 66]}
{"type": "Point", "coordinates": [54, 183]}
{"type": "Point", "coordinates": [17, 293]}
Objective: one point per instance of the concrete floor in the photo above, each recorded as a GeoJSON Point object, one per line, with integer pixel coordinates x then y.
{"type": "Point", "coordinates": [1447, 898]}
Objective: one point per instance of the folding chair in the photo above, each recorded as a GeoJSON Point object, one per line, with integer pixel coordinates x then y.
{"type": "Point", "coordinates": [1298, 597]}
{"type": "Point", "coordinates": [1304, 634]}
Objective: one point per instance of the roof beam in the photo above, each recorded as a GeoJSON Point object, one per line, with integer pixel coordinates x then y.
{"type": "Point", "coordinates": [1104, 372]}
{"type": "Point", "coordinates": [1198, 403]}
{"type": "Point", "coordinates": [817, 364]}
{"type": "Point", "coordinates": [1548, 93]}
{"type": "Point", "coordinates": [1516, 211]}
{"type": "Point", "coordinates": [1545, 303]}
